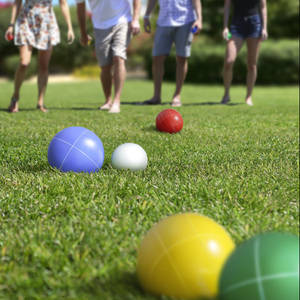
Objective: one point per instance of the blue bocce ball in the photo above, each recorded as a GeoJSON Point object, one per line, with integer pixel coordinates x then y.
{"type": "Point", "coordinates": [76, 149]}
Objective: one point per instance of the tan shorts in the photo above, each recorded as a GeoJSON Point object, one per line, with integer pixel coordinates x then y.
{"type": "Point", "coordinates": [111, 42]}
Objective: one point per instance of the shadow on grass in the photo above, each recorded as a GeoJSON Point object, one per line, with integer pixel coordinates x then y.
{"type": "Point", "coordinates": [61, 108]}
{"type": "Point", "coordinates": [150, 128]}
{"type": "Point", "coordinates": [125, 286]}
{"type": "Point", "coordinates": [139, 103]}
{"type": "Point", "coordinates": [51, 109]}
{"type": "Point", "coordinates": [74, 108]}
{"type": "Point", "coordinates": [123, 103]}
{"type": "Point", "coordinates": [183, 104]}
{"type": "Point", "coordinates": [31, 168]}
{"type": "Point", "coordinates": [210, 104]}
{"type": "Point", "coordinates": [20, 110]}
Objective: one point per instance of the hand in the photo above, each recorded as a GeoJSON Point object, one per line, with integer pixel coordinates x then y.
{"type": "Point", "coordinates": [85, 39]}
{"type": "Point", "coordinates": [71, 36]}
{"type": "Point", "coordinates": [147, 25]}
{"type": "Point", "coordinates": [197, 24]}
{"type": "Point", "coordinates": [135, 27]}
{"type": "Point", "coordinates": [264, 34]}
{"type": "Point", "coordinates": [9, 34]}
{"type": "Point", "coordinates": [226, 34]}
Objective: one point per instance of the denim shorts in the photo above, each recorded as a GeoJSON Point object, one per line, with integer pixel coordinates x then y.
{"type": "Point", "coordinates": [246, 27]}
{"type": "Point", "coordinates": [166, 36]}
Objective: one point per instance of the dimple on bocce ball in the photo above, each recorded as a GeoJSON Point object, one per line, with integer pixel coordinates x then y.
{"type": "Point", "coordinates": [265, 267]}
{"type": "Point", "coordinates": [169, 120]}
{"type": "Point", "coordinates": [182, 257]}
{"type": "Point", "coordinates": [76, 149]}
{"type": "Point", "coordinates": [129, 156]}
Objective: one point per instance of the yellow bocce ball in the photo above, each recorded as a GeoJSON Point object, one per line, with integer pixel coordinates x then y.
{"type": "Point", "coordinates": [182, 256]}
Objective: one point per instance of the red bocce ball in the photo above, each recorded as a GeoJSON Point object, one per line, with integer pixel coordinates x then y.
{"type": "Point", "coordinates": [169, 120]}
{"type": "Point", "coordinates": [10, 37]}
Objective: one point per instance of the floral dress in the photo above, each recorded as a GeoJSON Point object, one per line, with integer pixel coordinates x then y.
{"type": "Point", "coordinates": [36, 25]}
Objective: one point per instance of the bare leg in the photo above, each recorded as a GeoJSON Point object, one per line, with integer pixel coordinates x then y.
{"type": "Point", "coordinates": [158, 70]}
{"type": "Point", "coordinates": [234, 45]}
{"type": "Point", "coordinates": [119, 79]}
{"type": "Point", "coordinates": [44, 57]}
{"type": "Point", "coordinates": [106, 80]}
{"type": "Point", "coordinates": [25, 57]}
{"type": "Point", "coordinates": [253, 45]}
{"type": "Point", "coordinates": [181, 71]}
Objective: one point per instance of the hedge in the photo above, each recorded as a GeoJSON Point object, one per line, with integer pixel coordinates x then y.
{"type": "Point", "coordinates": [283, 18]}
{"type": "Point", "coordinates": [278, 63]}
{"type": "Point", "coordinates": [11, 63]}
{"type": "Point", "coordinates": [64, 58]}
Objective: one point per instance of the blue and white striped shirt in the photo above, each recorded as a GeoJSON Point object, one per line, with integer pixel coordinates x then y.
{"type": "Point", "coordinates": [176, 12]}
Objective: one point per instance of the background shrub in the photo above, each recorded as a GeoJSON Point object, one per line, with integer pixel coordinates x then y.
{"type": "Point", "coordinates": [67, 57]}
{"type": "Point", "coordinates": [283, 18]}
{"type": "Point", "coordinates": [279, 60]}
{"type": "Point", "coordinates": [278, 63]}
{"type": "Point", "coordinates": [11, 63]}
{"type": "Point", "coordinates": [64, 58]}
{"type": "Point", "coordinates": [87, 71]}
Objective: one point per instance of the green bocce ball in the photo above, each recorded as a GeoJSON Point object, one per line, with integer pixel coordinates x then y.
{"type": "Point", "coordinates": [265, 267]}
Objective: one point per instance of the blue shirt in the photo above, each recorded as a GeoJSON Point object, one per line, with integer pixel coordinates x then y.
{"type": "Point", "coordinates": [176, 12]}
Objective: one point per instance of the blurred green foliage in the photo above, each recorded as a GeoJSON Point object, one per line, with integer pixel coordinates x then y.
{"type": "Point", "coordinates": [283, 18]}
{"type": "Point", "coordinates": [65, 57]}
{"type": "Point", "coordinates": [11, 63]}
{"type": "Point", "coordinates": [283, 23]}
{"type": "Point", "coordinates": [87, 71]}
{"type": "Point", "coordinates": [278, 63]}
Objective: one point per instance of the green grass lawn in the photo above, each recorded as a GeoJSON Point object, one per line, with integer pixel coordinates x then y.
{"type": "Point", "coordinates": [75, 236]}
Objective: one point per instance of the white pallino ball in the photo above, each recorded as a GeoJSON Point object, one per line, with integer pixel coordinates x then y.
{"type": "Point", "coordinates": [129, 156]}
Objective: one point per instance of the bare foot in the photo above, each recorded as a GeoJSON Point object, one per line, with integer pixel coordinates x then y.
{"type": "Point", "coordinates": [115, 108]}
{"type": "Point", "coordinates": [106, 106]}
{"type": "Point", "coordinates": [225, 99]}
{"type": "Point", "coordinates": [14, 106]}
{"type": "Point", "coordinates": [152, 101]}
{"type": "Point", "coordinates": [249, 101]}
{"type": "Point", "coordinates": [176, 102]}
{"type": "Point", "coordinates": [42, 108]}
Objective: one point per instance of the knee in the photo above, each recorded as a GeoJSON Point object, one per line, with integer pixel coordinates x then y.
{"type": "Point", "coordinates": [181, 60]}
{"type": "Point", "coordinates": [24, 64]}
{"type": "Point", "coordinates": [228, 65]}
{"type": "Point", "coordinates": [118, 60]}
{"type": "Point", "coordinates": [251, 67]}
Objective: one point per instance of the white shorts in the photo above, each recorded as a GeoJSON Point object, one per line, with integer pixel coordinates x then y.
{"type": "Point", "coordinates": [111, 42]}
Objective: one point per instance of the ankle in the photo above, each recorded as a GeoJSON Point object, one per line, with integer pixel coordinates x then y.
{"type": "Point", "coordinates": [16, 96]}
{"type": "Point", "coordinates": [116, 101]}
